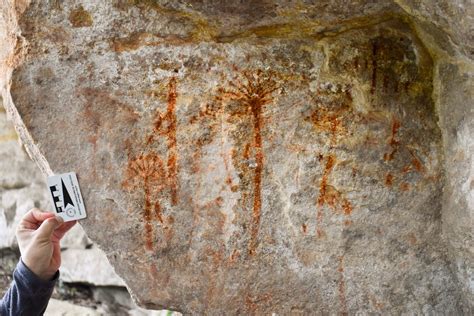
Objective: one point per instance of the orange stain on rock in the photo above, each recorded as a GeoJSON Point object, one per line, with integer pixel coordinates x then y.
{"type": "Point", "coordinates": [158, 214]}
{"type": "Point", "coordinates": [233, 257]}
{"type": "Point", "coordinates": [147, 172]}
{"type": "Point", "coordinates": [150, 173]}
{"type": "Point", "coordinates": [80, 18]}
{"type": "Point", "coordinates": [348, 222]}
{"type": "Point", "coordinates": [137, 40]}
{"type": "Point", "coordinates": [323, 192]}
{"type": "Point", "coordinates": [378, 305]}
{"type": "Point", "coordinates": [342, 287]}
{"type": "Point", "coordinates": [304, 228]}
{"type": "Point", "coordinates": [416, 163]}
{"type": "Point", "coordinates": [165, 125]}
{"type": "Point", "coordinates": [406, 169]}
{"type": "Point", "coordinates": [329, 121]}
{"type": "Point", "coordinates": [328, 195]}
{"type": "Point", "coordinates": [405, 186]}
{"type": "Point", "coordinates": [347, 207]}
{"type": "Point", "coordinates": [253, 93]}
{"type": "Point", "coordinates": [252, 302]}
{"type": "Point", "coordinates": [246, 153]}
{"type": "Point", "coordinates": [334, 111]}
{"type": "Point", "coordinates": [412, 240]}
{"type": "Point", "coordinates": [394, 143]}
{"type": "Point", "coordinates": [129, 43]}
{"type": "Point", "coordinates": [389, 179]}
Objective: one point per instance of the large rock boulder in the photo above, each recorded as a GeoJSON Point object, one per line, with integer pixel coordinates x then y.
{"type": "Point", "coordinates": [255, 158]}
{"type": "Point", "coordinates": [22, 187]}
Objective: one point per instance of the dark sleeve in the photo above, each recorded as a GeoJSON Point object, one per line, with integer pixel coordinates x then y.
{"type": "Point", "coordinates": [28, 294]}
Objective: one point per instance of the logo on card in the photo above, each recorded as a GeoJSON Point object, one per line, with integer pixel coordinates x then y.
{"type": "Point", "coordinates": [66, 204]}
{"type": "Point", "coordinates": [66, 196]}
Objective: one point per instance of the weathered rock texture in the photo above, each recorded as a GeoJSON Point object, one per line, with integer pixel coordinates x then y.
{"type": "Point", "coordinates": [84, 270]}
{"type": "Point", "coordinates": [264, 156]}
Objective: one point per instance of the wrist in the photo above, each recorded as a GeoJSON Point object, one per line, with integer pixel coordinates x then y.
{"type": "Point", "coordinates": [39, 273]}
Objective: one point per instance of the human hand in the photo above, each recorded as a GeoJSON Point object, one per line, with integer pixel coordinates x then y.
{"type": "Point", "coordinates": [38, 236]}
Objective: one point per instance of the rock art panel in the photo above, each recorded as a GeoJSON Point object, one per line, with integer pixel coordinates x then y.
{"type": "Point", "coordinates": [290, 167]}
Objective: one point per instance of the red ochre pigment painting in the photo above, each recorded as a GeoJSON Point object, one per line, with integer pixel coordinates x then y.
{"type": "Point", "coordinates": [253, 92]}
{"type": "Point", "coordinates": [397, 148]}
{"type": "Point", "coordinates": [328, 195]}
{"type": "Point", "coordinates": [250, 91]}
{"type": "Point", "coordinates": [332, 113]}
{"type": "Point", "coordinates": [152, 173]}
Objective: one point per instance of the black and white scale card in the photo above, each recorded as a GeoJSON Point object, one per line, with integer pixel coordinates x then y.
{"type": "Point", "coordinates": [66, 196]}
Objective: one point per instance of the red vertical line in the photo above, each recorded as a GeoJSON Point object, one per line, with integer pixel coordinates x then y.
{"type": "Point", "coordinates": [257, 200]}
{"type": "Point", "coordinates": [158, 214]}
{"type": "Point", "coordinates": [342, 287]}
{"type": "Point", "coordinates": [322, 193]}
{"type": "Point", "coordinates": [147, 216]}
{"type": "Point", "coordinates": [172, 152]}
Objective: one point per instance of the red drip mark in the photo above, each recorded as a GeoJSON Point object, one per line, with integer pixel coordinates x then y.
{"type": "Point", "coordinates": [165, 125]}
{"type": "Point", "coordinates": [147, 170]}
{"type": "Point", "coordinates": [404, 186]}
{"type": "Point", "coordinates": [417, 163]}
{"type": "Point", "coordinates": [246, 153]}
{"type": "Point", "coordinates": [253, 302]}
{"type": "Point", "coordinates": [158, 214]}
{"type": "Point", "coordinates": [374, 68]}
{"type": "Point", "coordinates": [326, 120]}
{"type": "Point", "coordinates": [323, 193]}
{"type": "Point", "coordinates": [347, 207]}
{"type": "Point", "coordinates": [393, 142]}
{"type": "Point", "coordinates": [147, 216]}
{"type": "Point", "coordinates": [253, 94]}
{"type": "Point", "coordinates": [257, 199]}
{"type": "Point", "coordinates": [233, 257]}
{"type": "Point", "coordinates": [342, 287]}
{"type": "Point", "coordinates": [334, 128]}
{"type": "Point", "coordinates": [304, 227]}
{"type": "Point", "coordinates": [328, 195]}
{"type": "Point", "coordinates": [172, 152]}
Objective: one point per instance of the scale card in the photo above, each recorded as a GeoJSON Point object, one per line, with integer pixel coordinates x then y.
{"type": "Point", "coordinates": [66, 195]}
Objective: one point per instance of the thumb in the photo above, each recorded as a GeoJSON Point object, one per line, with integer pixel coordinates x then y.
{"type": "Point", "coordinates": [48, 226]}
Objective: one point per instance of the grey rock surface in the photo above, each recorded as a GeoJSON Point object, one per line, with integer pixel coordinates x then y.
{"type": "Point", "coordinates": [88, 266]}
{"type": "Point", "coordinates": [270, 156]}
{"type": "Point", "coordinates": [455, 93]}
{"type": "Point", "coordinates": [62, 308]}
{"type": "Point", "coordinates": [23, 187]}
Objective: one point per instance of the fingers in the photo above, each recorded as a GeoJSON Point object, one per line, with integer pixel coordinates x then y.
{"type": "Point", "coordinates": [45, 224]}
{"type": "Point", "coordinates": [47, 228]}
{"type": "Point", "coordinates": [33, 218]}
{"type": "Point", "coordinates": [63, 229]}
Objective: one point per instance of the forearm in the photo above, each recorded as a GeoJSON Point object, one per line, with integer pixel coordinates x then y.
{"type": "Point", "coordinates": [28, 294]}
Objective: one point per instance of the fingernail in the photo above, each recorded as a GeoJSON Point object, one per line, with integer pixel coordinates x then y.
{"type": "Point", "coordinates": [59, 219]}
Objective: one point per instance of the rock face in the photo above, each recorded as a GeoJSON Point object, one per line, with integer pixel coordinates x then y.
{"type": "Point", "coordinates": [83, 266]}
{"type": "Point", "coordinates": [22, 187]}
{"type": "Point", "coordinates": [261, 157]}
